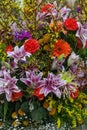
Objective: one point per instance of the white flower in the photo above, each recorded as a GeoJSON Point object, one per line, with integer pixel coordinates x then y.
{"type": "Point", "coordinates": [72, 58]}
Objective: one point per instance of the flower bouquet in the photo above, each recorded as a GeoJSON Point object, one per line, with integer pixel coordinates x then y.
{"type": "Point", "coordinates": [43, 66]}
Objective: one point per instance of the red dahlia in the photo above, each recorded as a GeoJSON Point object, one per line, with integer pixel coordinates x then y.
{"type": "Point", "coordinates": [16, 96]}
{"type": "Point", "coordinates": [71, 24]}
{"type": "Point", "coordinates": [46, 8]}
{"type": "Point", "coordinates": [31, 45]}
{"type": "Point", "coordinates": [9, 48]}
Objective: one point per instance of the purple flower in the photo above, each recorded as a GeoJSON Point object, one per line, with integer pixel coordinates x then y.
{"type": "Point", "coordinates": [73, 68]}
{"type": "Point", "coordinates": [32, 79]}
{"type": "Point", "coordinates": [8, 85]}
{"type": "Point", "coordinates": [52, 84]}
{"type": "Point", "coordinates": [58, 65]}
{"type": "Point", "coordinates": [78, 9]}
{"type": "Point", "coordinates": [65, 12]}
{"type": "Point", "coordinates": [18, 54]}
{"type": "Point", "coordinates": [82, 33]}
{"type": "Point", "coordinates": [22, 34]}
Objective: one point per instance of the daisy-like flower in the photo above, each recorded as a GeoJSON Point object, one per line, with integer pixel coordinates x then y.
{"type": "Point", "coordinates": [31, 45]}
{"type": "Point", "coordinates": [18, 54]}
{"type": "Point", "coordinates": [32, 79]}
{"type": "Point", "coordinates": [52, 84]}
{"type": "Point", "coordinates": [71, 24]}
{"type": "Point", "coordinates": [61, 47]}
{"type": "Point", "coordinates": [8, 85]}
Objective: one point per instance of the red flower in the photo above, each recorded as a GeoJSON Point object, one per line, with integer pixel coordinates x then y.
{"type": "Point", "coordinates": [31, 45]}
{"type": "Point", "coordinates": [71, 24]}
{"type": "Point", "coordinates": [16, 96]}
{"type": "Point", "coordinates": [79, 44]}
{"type": "Point", "coordinates": [37, 93]}
{"type": "Point", "coordinates": [9, 48]}
{"type": "Point", "coordinates": [46, 8]}
{"type": "Point", "coordinates": [61, 47]}
{"type": "Point", "coordinates": [74, 94]}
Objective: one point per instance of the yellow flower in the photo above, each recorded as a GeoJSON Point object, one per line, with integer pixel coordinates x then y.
{"type": "Point", "coordinates": [71, 99]}
{"type": "Point", "coordinates": [59, 108]}
{"type": "Point", "coordinates": [16, 123]}
{"type": "Point", "coordinates": [21, 113]}
{"type": "Point", "coordinates": [46, 38]}
{"type": "Point", "coordinates": [47, 47]}
{"type": "Point", "coordinates": [52, 103]}
{"type": "Point", "coordinates": [58, 122]}
{"type": "Point", "coordinates": [14, 115]}
{"type": "Point", "coordinates": [74, 123]}
{"type": "Point", "coordinates": [79, 118]}
{"type": "Point", "coordinates": [25, 123]}
{"type": "Point", "coordinates": [40, 41]}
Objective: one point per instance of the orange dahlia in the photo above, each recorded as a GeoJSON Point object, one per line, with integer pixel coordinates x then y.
{"type": "Point", "coordinates": [61, 47]}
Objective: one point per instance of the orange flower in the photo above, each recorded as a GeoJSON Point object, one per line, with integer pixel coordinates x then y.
{"type": "Point", "coordinates": [61, 47]}
{"type": "Point", "coordinates": [53, 111]}
{"type": "Point", "coordinates": [75, 94]}
{"type": "Point", "coordinates": [20, 112]}
{"type": "Point", "coordinates": [14, 115]}
{"type": "Point", "coordinates": [45, 104]}
{"type": "Point", "coordinates": [56, 26]}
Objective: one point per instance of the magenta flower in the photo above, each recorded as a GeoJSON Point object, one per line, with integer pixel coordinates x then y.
{"type": "Point", "coordinates": [82, 33]}
{"type": "Point", "coordinates": [32, 79]}
{"type": "Point", "coordinates": [18, 54]}
{"type": "Point", "coordinates": [8, 85]}
{"type": "Point", "coordinates": [52, 84]}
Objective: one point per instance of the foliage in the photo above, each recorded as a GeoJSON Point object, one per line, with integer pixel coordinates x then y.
{"type": "Point", "coordinates": [43, 63]}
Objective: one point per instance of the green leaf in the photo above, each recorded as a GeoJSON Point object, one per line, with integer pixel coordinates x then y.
{"type": "Point", "coordinates": [83, 52]}
{"type": "Point", "coordinates": [7, 65]}
{"type": "Point", "coordinates": [5, 109]}
{"type": "Point", "coordinates": [60, 57]}
{"type": "Point", "coordinates": [25, 107]}
{"type": "Point", "coordinates": [38, 114]}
